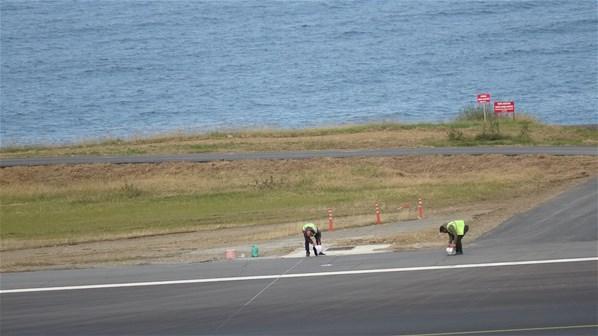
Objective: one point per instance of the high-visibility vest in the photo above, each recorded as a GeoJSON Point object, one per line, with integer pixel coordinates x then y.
{"type": "Point", "coordinates": [457, 226]}
{"type": "Point", "coordinates": [312, 226]}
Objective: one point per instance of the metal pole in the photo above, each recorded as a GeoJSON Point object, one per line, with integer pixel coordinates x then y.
{"type": "Point", "coordinates": [484, 108]}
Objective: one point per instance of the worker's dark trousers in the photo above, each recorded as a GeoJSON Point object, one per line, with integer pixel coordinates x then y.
{"type": "Point", "coordinates": [458, 245]}
{"type": "Point", "coordinates": [318, 237]}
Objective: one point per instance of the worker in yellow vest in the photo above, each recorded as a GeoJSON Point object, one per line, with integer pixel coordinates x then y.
{"type": "Point", "coordinates": [456, 230]}
{"type": "Point", "coordinates": [310, 231]}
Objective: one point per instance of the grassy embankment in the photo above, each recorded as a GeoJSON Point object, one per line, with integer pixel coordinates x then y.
{"type": "Point", "coordinates": [465, 131]}
{"type": "Point", "coordinates": [43, 206]}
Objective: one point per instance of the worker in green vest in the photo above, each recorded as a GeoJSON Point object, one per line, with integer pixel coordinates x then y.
{"type": "Point", "coordinates": [456, 229]}
{"type": "Point", "coordinates": [311, 231]}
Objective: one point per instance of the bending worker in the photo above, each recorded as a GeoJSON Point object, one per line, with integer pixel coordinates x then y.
{"type": "Point", "coordinates": [310, 231]}
{"type": "Point", "coordinates": [456, 230]}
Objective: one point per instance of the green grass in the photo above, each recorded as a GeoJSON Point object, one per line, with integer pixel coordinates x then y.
{"type": "Point", "coordinates": [128, 210]}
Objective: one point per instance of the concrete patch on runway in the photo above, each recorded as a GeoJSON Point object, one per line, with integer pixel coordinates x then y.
{"type": "Point", "coordinates": [345, 250]}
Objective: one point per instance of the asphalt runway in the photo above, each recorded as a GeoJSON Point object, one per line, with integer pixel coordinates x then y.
{"type": "Point", "coordinates": [536, 274]}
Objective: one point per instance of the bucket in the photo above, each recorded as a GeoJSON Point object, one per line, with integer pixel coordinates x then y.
{"type": "Point", "coordinates": [450, 250]}
{"type": "Point", "coordinates": [319, 249]}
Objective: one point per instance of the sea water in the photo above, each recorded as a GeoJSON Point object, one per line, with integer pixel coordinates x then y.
{"type": "Point", "coordinates": [80, 70]}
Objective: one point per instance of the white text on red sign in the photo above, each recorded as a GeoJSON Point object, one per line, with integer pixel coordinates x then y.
{"type": "Point", "coordinates": [504, 107]}
{"type": "Point", "coordinates": [483, 98]}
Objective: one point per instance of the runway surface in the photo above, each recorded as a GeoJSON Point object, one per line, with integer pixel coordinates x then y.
{"type": "Point", "coordinates": [534, 275]}
{"type": "Point", "coordinates": [207, 157]}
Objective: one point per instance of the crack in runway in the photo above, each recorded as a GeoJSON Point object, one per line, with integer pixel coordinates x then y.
{"type": "Point", "coordinates": [256, 295]}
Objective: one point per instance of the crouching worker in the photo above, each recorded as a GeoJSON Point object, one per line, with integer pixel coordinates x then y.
{"type": "Point", "coordinates": [310, 231]}
{"type": "Point", "coordinates": [456, 230]}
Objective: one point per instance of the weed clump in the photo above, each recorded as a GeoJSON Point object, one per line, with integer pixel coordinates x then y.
{"type": "Point", "coordinates": [474, 113]}
{"type": "Point", "coordinates": [455, 134]}
{"type": "Point", "coordinates": [269, 183]}
{"type": "Point", "coordinates": [491, 132]}
{"type": "Point", "coordinates": [525, 132]}
{"type": "Point", "coordinates": [130, 191]}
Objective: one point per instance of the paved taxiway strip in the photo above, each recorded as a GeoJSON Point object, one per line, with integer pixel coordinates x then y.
{"type": "Point", "coordinates": [296, 155]}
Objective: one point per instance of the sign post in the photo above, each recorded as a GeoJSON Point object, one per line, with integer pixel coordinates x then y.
{"type": "Point", "coordinates": [505, 107]}
{"type": "Point", "coordinates": [483, 98]}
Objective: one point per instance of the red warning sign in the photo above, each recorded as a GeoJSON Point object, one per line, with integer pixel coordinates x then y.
{"type": "Point", "coordinates": [483, 98]}
{"type": "Point", "coordinates": [504, 107]}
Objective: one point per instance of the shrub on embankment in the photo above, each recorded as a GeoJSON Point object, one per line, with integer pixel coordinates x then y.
{"type": "Point", "coordinates": [473, 127]}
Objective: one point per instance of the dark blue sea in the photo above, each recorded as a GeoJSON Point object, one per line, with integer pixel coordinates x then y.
{"type": "Point", "coordinates": [85, 70]}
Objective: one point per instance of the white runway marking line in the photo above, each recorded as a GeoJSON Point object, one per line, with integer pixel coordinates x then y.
{"type": "Point", "coordinates": [297, 275]}
{"type": "Point", "coordinates": [497, 331]}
